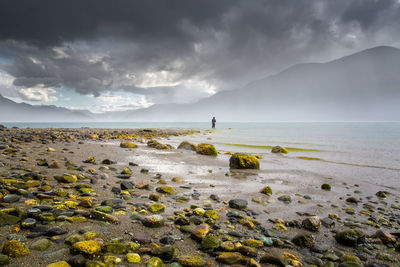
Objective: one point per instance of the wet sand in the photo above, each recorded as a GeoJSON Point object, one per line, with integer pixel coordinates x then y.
{"type": "Point", "coordinates": [203, 176]}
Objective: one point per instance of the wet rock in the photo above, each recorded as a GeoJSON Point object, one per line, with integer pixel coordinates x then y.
{"type": "Point", "coordinates": [107, 162]}
{"type": "Point", "coordinates": [4, 260]}
{"type": "Point", "coordinates": [133, 258]}
{"type": "Point", "coordinates": [15, 248]}
{"type": "Point", "coordinates": [169, 190]}
{"type": "Point", "coordinates": [157, 145]}
{"type": "Point", "coordinates": [326, 187]}
{"type": "Point", "coordinates": [59, 264]}
{"type": "Point", "coordinates": [89, 247]}
{"type": "Point", "coordinates": [243, 161]}
{"type": "Point", "coordinates": [191, 261]}
{"type": "Point", "coordinates": [41, 244]}
{"type": "Point", "coordinates": [153, 221]}
{"type": "Point", "coordinates": [267, 190]}
{"type": "Point", "coordinates": [303, 240]}
{"type": "Point", "coordinates": [201, 230]}
{"type": "Point", "coordinates": [187, 145]}
{"type": "Point", "coordinates": [77, 261]}
{"type": "Point", "coordinates": [112, 202]}
{"type": "Point", "coordinates": [231, 258]}
{"type": "Point", "coordinates": [274, 257]}
{"type": "Point", "coordinates": [285, 198]}
{"type": "Point", "coordinates": [142, 237]}
{"type": "Point", "coordinates": [166, 253]}
{"type": "Point", "coordinates": [126, 171]}
{"type": "Point", "coordinates": [11, 198]}
{"type": "Point", "coordinates": [126, 185]}
{"type": "Point", "coordinates": [312, 223]}
{"type": "Point", "coordinates": [352, 200]}
{"type": "Point", "coordinates": [239, 204]}
{"type": "Point", "coordinates": [328, 222]}
{"type": "Point", "coordinates": [319, 248]}
{"type": "Point", "coordinates": [143, 185]}
{"type": "Point", "coordinates": [385, 237]}
{"type": "Point", "coordinates": [56, 231]}
{"type": "Point", "coordinates": [7, 219]}
{"type": "Point", "coordinates": [279, 149]}
{"type": "Point", "coordinates": [66, 178]}
{"type": "Point", "coordinates": [98, 215]}
{"type": "Point", "coordinates": [375, 264]}
{"type": "Point", "coordinates": [128, 144]}
{"type": "Point", "coordinates": [210, 242]}
{"type": "Point", "coordinates": [207, 149]}
{"type": "Point", "coordinates": [350, 237]}
{"type": "Point", "coordinates": [157, 208]}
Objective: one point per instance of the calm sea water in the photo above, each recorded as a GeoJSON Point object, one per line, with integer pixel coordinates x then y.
{"type": "Point", "coordinates": [373, 144]}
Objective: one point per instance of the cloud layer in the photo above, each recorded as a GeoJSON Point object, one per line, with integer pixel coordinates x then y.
{"type": "Point", "coordinates": [177, 51]}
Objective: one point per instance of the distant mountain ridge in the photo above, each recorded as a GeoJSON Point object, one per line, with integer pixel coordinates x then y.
{"type": "Point", "coordinates": [358, 87]}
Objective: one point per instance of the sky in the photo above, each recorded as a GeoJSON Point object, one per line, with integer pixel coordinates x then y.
{"type": "Point", "coordinates": [117, 55]}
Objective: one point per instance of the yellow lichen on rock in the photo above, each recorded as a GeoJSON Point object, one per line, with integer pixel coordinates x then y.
{"type": "Point", "coordinates": [89, 247]}
{"type": "Point", "coordinates": [207, 149]}
{"type": "Point", "coordinates": [243, 161]}
{"type": "Point", "coordinates": [15, 248]}
{"type": "Point", "coordinates": [128, 144]}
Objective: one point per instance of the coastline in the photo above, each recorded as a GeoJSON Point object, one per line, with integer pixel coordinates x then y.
{"type": "Point", "coordinates": [202, 176]}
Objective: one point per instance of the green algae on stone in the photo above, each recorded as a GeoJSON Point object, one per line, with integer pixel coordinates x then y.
{"type": "Point", "coordinates": [154, 262]}
{"type": "Point", "coordinates": [157, 208]}
{"type": "Point", "coordinates": [128, 144]}
{"type": "Point", "coordinates": [153, 221]}
{"type": "Point", "coordinates": [303, 240]}
{"type": "Point", "coordinates": [59, 264]}
{"type": "Point", "coordinates": [267, 190]}
{"type": "Point", "coordinates": [210, 242]}
{"type": "Point", "coordinates": [133, 258]}
{"type": "Point", "coordinates": [15, 248]}
{"type": "Point", "coordinates": [169, 190]}
{"type": "Point", "coordinates": [207, 149]}
{"type": "Point", "coordinates": [191, 261]}
{"type": "Point", "coordinates": [231, 258]}
{"type": "Point", "coordinates": [350, 237]}
{"type": "Point", "coordinates": [243, 161]}
{"type": "Point", "coordinates": [66, 178]}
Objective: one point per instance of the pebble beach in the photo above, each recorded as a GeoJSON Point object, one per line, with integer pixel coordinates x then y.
{"type": "Point", "coordinates": [153, 197]}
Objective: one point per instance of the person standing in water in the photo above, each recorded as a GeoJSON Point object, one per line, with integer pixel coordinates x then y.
{"type": "Point", "coordinates": [213, 121]}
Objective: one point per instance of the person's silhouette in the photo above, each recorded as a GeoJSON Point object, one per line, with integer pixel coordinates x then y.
{"type": "Point", "coordinates": [213, 121]}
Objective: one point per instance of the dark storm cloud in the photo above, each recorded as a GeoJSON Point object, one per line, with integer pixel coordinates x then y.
{"type": "Point", "coordinates": [94, 46]}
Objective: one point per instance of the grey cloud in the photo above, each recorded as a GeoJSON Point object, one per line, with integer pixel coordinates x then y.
{"type": "Point", "coordinates": [224, 43]}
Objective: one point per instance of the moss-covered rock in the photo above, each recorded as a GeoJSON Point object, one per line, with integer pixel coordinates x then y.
{"type": "Point", "coordinates": [201, 230]}
{"type": "Point", "coordinates": [231, 258]}
{"type": "Point", "coordinates": [243, 161]}
{"type": "Point", "coordinates": [279, 149]}
{"type": "Point", "coordinates": [303, 240]}
{"type": "Point", "coordinates": [4, 260]}
{"type": "Point", "coordinates": [210, 242]}
{"type": "Point", "coordinates": [115, 248]}
{"type": "Point", "coordinates": [154, 262]}
{"type": "Point", "coordinates": [89, 247]}
{"type": "Point", "coordinates": [59, 264]}
{"type": "Point", "coordinates": [91, 160]}
{"type": "Point", "coordinates": [267, 190]}
{"type": "Point", "coordinates": [169, 190]}
{"type": "Point", "coordinates": [350, 237]}
{"type": "Point", "coordinates": [128, 144]}
{"type": "Point", "coordinates": [15, 248]}
{"type": "Point", "coordinates": [153, 221]}
{"type": "Point", "coordinates": [41, 244]}
{"type": "Point", "coordinates": [157, 145]}
{"type": "Point", "coordinates": [133, 258]}
{"type": "Point", "coordinates": [207, 149]}
{"type": "Point", "coordinates": [66, 178]}
{"type": "Point", "coordinates": [187, 145]}
{"type": "Point", "coordinates": [191, 261]}
{"type": "Point", "coordinates": [157, 208]}
{"type": "Point", "coordinates": [126, 171]}
{"type": "Point", "coordinates": [254, 243]}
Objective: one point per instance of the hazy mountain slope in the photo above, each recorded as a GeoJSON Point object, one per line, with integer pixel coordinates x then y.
{"type": "Point", "coordinates": [362, 86]}
{"type": "Point", "coordinates": [22, 112]}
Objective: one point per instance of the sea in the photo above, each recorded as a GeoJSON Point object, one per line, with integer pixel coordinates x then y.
{"type": "Point", "coordinates": [368, 151]}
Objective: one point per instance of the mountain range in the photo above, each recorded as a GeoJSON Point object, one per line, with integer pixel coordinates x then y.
{"type": "Point", "coordinates": [364, 86]}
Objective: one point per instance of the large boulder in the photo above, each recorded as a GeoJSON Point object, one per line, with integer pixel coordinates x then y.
{"type": "Point", "coordinates": [187, 145]}
{"type": "Point", "coordinates": [243, 161]}
{"type": "Point", "coordinates": [207, 149]}
{"type": "Point", "coordinates": [350, 237]}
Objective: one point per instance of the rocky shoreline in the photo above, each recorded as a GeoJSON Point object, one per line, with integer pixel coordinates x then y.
{"type": "Point", "coordinates": [69, 197]}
